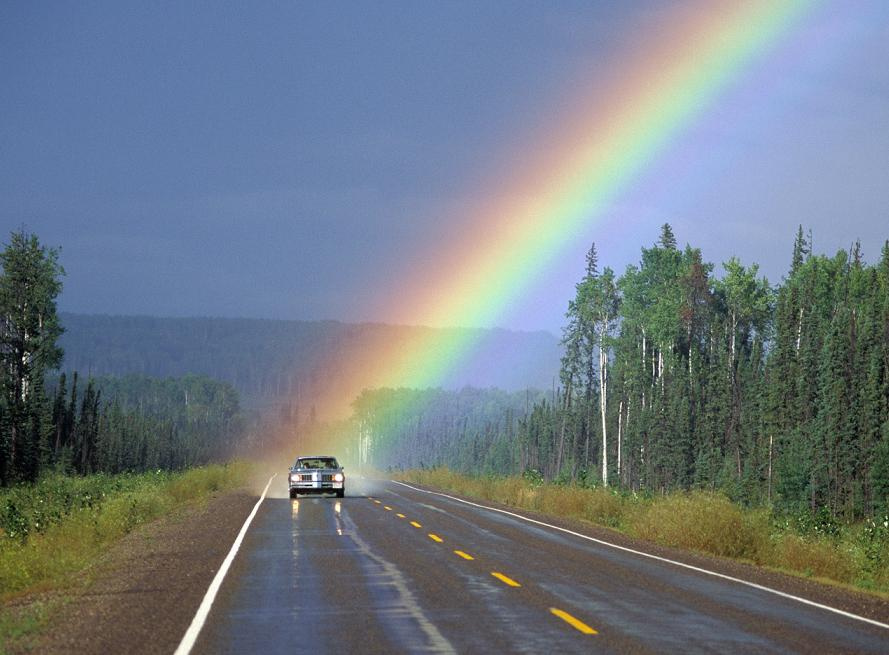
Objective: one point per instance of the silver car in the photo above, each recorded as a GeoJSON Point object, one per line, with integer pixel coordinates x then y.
{"type": "Point", "coordinates": [318, 474]}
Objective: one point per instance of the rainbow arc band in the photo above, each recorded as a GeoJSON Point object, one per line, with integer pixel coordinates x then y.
{"type": "Point", "coordinates": [607, 142]}
{"type": "Point", "coordinates": [601, 152]}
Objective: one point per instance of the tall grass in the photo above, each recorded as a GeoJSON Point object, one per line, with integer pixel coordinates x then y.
{"type": "Point", "coordinates": [705, 522]}
{"type": "Point", "coordinates": [59, 525]}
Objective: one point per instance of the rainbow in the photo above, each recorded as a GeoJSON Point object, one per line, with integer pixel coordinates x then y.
{"type": "Point", "coordinates": [667, 81]}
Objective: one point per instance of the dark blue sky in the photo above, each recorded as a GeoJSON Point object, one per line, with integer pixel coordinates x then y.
{"type": "Point", "coordinates": [286, 160]}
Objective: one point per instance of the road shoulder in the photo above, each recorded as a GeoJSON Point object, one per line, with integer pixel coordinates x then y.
{"type": "Point", "coordinates": [141, 595]}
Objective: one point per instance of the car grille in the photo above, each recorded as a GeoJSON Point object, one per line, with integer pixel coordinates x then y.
{"type": "Point", "coordinates": [305, 477]}
{"type": "Point", "coordinates": [326, 477]}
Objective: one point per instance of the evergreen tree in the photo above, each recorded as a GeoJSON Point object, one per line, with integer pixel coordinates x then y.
{"type": "Point", "coordinates": [667, 240]}
{"type": "Point", "coordinates": [801, 249]}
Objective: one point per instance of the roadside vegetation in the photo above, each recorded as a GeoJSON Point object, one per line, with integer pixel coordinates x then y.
{"type": "Point", "coordinates": [60, 525]}
{"type": "Point", "coordinates": [707, 522]}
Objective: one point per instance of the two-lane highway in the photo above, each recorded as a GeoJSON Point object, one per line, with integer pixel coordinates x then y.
{"type": "Point", "coordinates": [396, 569]}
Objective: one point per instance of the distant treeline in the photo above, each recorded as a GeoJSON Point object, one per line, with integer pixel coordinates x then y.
{"type": "Point", "coordinates": [128, 424]}
{"type": "Point", "coordinates": [138, 423]}
{"type": "Point", "coordinates": [673, 378]}
{"type": "Point", "coordinates": [280, 365]}
{"type": "Point", "coordinates": [474, 430]}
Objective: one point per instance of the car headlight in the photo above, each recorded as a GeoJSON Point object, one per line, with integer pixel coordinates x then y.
{"type": "Point", "coordinates": [294, 477]}
{"type": "Point", "coordinates": [338, 477]}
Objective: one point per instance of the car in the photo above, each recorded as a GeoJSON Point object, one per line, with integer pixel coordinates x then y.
{"type": "Point", "coordinates": [316, 474]}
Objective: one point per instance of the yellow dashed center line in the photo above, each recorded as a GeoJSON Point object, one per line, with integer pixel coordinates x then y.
{"type": "Point", "coordinates": [505, 579]}
{"type": "Point", "coordinates": [577, 624]}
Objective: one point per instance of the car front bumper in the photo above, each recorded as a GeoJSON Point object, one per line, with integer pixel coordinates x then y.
{"type": "Point", "coordinates": [318, 487]}
{"type": "Point", "coordinates": [317, 484]}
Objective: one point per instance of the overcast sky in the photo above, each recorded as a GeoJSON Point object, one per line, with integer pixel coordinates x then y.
{"type": "Point", "coordinates": [285, 160]}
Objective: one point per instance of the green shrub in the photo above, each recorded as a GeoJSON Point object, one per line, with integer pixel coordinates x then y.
{"type": "Point", "coordinates": [872, 553]}
{"type": "Point", "coordinates": [819, 558]}
{"type": "Point", "coordinates": [705, 522]}
{"type": "Point", "coordinates": [606, 507]}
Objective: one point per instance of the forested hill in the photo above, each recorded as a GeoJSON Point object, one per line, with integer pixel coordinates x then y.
{"type": "Point", "coordinates": [268, 360]}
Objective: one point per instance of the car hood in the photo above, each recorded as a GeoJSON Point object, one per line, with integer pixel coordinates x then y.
{"type": "Point", "coordinates": [316, 470]}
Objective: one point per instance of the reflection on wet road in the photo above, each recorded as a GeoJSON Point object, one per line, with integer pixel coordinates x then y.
{"type": "Point", "coordinates": [390, 569]}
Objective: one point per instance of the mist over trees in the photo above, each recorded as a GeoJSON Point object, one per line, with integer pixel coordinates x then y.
{"type": "Point", "coordinates": [472, 429]}
{"type": "Point", "coordinates": [285, 366]}
{"type": "Point", "coordinates": [675, 378]}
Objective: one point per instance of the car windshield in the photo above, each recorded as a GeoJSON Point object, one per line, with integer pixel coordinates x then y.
{"type": "Point", "coordinates": [316, 463]}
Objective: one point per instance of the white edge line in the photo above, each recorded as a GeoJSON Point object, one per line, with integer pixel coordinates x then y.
{"type": "Point", "coordinates": [659, 558]}
{"type": "Point", "coordinates": [191, 635]}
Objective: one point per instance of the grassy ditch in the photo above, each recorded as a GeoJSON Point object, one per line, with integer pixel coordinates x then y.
{"type": "Point", "coordinates": [58, 526]}
{"type": "Point", "coordinates": [855, 555]}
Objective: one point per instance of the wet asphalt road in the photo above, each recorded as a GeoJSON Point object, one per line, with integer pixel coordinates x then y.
{"type": "Point", "coordinates": [379, 572]}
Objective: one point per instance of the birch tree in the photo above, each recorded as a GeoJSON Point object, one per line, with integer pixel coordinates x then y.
{"type": "Point", "coordinates": [604, 308]}
{"type": "Point", "coordinates": [29, 328]}
{"type": "Point", "coordinates": [599, 304]}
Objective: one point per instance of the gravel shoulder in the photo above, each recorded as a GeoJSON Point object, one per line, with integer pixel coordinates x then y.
{"type": "Point", "coordinates": [141, 595]}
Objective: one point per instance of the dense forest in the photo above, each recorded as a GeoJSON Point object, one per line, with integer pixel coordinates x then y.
{"type": "Point", "coordinates": [105, 424]}
{"type": "Point", "coordinates": [137, 423]}
{"type": "Point", "coordinates": [675, 378]}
